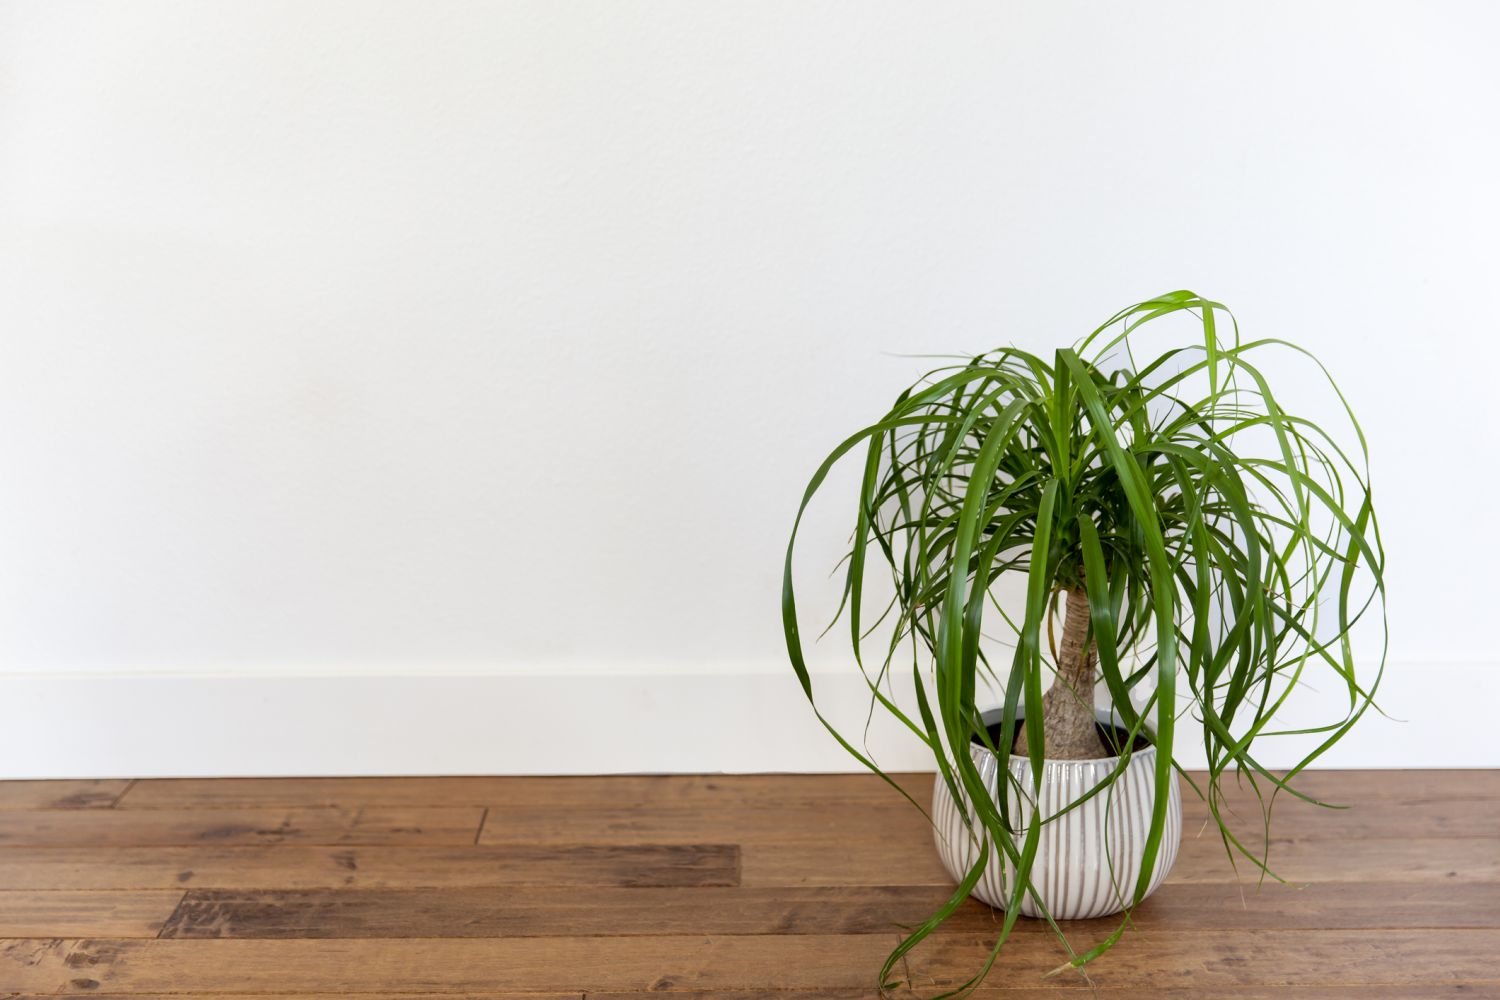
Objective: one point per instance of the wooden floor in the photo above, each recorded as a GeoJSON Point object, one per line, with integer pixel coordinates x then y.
{"type": "Point", "coordinates": [715, 888]}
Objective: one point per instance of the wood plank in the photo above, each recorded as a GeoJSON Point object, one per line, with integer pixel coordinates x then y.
{"type": "Point", "coordinates": [831, 821]}
{"type": "Point", "coordinates": [1395, 809]}
{"type": "Point", "coordinates": [866, 862]}
{"type": "Point", "coordinates": [466, 995]}
{"type": "Point", "coordinates": [1402, 818]}
{"type": "Point", "coordinates": [524, 912]}
{"type": "Point", "coordinates": [1452, 991]}
{"type": "Point", "coordinates": [617, 791]}
{"type": "Point", "coordinates": [61, 794]}
{"type": "Point", "coordinates": [172, 827]}
{"type": "Point", "coordinates": [1324, 906]}
{"type": "Point", "coordinates": [35, 964]}
{"type": "Point", "coordinates": [295, 866]}
{"type": "Point", "coordinates": [85, 913]}
{"type": "Point", "coordinates": [1348, 786]}
{"type": "Point", "coordinates": [1203, 960]}
{"type": "Point", "coordinates": [527, 912]}
{"type": "Point", "coordinates": [1405, 818]}
{"type": "Point", "coordinates": [1321, 906]}
{"type": "Point", "coordinates": [1208, 960]}
{"type": "Point", "coordinates": [443, 965]}
{"type": "Point", "coordinates": [842, 820]}
{"type": "Point", "coordinates": [1458, 991]}
{"type": "Point", "coordinates": [1202, 859]}
{"type": "Point", "coordinates": [1344, 787]}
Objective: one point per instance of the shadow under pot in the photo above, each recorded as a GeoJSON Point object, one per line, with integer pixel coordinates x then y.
{"type": "Point", "coordinates": [1088, 859]}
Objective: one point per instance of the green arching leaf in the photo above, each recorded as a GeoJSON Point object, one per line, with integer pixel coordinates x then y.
{"type": "Point", "coordinates": [1028, 652]}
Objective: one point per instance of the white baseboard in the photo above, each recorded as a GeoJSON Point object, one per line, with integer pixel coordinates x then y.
{"type": "Point", "coordinates": [72, 725]}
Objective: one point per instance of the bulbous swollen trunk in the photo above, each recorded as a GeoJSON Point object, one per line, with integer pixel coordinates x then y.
{"type": "Point", "coordinates": [1068, 727]}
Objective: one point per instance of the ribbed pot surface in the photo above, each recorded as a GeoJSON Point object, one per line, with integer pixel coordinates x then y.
{"type": "Point", "coordinates": [1088, 860]}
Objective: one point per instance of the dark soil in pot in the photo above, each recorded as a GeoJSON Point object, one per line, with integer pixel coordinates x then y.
{"type": "Point", "coordinates": [1112, 737]}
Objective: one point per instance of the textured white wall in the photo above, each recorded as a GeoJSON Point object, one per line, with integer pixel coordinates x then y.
{"type": "Point", "coordinates": [341, 337]}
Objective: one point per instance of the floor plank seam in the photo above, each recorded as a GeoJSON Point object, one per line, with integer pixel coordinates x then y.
{"type": "Point", "coordinates": [123, 792]}
{"type": "Point", "coordinates": [905, 963]}
{"type": "Point", "coordinates": [483, 819]}
{"type": "Point", "coordinates": [171, 920]}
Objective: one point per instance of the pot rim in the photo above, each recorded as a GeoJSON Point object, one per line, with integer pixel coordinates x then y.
{"type": "Point", "coordinates": [1104, 716]}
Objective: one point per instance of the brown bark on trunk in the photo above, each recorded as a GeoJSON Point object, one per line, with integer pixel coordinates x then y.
{"type": "Point", "coordinates": [1068, 726]}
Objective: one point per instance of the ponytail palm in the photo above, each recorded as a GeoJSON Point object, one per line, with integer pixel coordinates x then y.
{"type": "Point", "coordinates": [1212, 551]}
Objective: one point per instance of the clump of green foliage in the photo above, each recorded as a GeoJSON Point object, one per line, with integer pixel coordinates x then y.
{"type": "Point", "coordinates": [1226, 547]}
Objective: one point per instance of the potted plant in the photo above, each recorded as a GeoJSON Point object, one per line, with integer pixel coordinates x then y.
{"type": "Point", "coordinates": [1162, 528]}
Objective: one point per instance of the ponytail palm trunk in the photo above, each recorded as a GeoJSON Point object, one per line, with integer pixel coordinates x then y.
{"type": "Point", "coordinates": [1070, 731]}
{"type": "Point", "coordinates": [1212, 552]}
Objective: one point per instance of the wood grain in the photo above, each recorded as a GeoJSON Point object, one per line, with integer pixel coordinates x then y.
{"type": "Point", "coordinates": [625, 809]}
{"type": "Point", "coordinates": [722, 789]}
{"type": "Point", "coordinates": [1452, 991]}
{"type": "Point", "coordinates": [1201, 860]}
{"type": "Point", "coordinates": [776, 823]}
{"type": "Point", "coordinates": [762, 962]}
{"type": "Point", "coordinates": [299, 867]}
{"type": "Point", "coordinates": [620, 791]}
{"type": "Point", "coordinates": [406, 995]}
{"type": "Point", "coordinates": [1456, 991]}
{"type": "Point", "coordinates": [1403, 817]}
{"type": "Point", "coordinates": [539, 912]}
{"type": "Point", "coordinates": [896, 819]}
{"type": "Point", "coordinates": [1208, 960]}
{"type": "Point", "coordinates": [1205, 960]}
{"type": "Point", "coordinates": [1377, 785]}
{"type": "Point", "coordinates": [177, 827]}
{"type": "Point", "coordinates": [68, 794]}
{"type": "Point", "coordinates": [85, 913]}
{"type": "Point", "coordinates": [465, 995]}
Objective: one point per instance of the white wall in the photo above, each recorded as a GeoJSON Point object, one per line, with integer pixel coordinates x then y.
{"type": "Point", "coordinates": [343, 344]}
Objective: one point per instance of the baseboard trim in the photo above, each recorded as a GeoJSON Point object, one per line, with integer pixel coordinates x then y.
{"type": "Point", "coordinates": [188, 725]}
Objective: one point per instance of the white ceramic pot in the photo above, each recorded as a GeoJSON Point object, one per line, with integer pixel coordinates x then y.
{"type": "Point", "coordinates": [1087, 860]}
